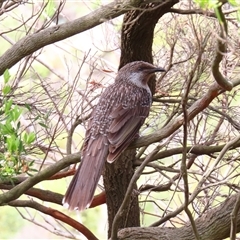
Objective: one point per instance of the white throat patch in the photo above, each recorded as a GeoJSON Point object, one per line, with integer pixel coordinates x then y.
{"type": "Point", "coordinates": [135, 79]}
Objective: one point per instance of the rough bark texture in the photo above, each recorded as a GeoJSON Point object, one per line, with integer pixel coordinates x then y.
{"type": "Point", "coordinates": [136, 44]}
{"type": "Point", "coordinates": [214, 225]}
{"type": "Point", "coordinates": [138, 32]}
{"type": "Point", "coordinates": [116, 180]}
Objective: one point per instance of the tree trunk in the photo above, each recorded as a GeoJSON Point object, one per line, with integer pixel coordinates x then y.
{"type": "Point", "coordinates": [116, 180]}
{"type": "Point", "coordinates": [138, 33]}
{"type": "Point", "coordinates": [136, 44]}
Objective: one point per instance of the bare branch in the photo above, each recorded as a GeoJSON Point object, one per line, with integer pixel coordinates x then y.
{"type": "Point", "coordinates": [220, 50]}
{"type": "Point", "coordinates": [55, 214]}
{"type": "Point", "coordinates": [44, 195]}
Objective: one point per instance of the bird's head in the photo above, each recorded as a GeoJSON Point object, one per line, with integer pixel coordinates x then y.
{"type": "Point", "coordinates": [138, 72]}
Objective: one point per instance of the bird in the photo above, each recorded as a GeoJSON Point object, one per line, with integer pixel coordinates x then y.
{"type": "Point", "coordinates": [114, 123]}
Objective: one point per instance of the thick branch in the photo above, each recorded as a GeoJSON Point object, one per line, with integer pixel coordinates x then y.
{"type": "Point", "coordinates": [44, 195]}
{"type": "Point", "coordinates": [209, 226]}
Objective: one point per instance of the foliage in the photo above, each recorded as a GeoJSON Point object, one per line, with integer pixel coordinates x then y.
{"type": "Point", "coordinates": [14, 140]}
{"type": "Point", "coordinates": [214, 4]}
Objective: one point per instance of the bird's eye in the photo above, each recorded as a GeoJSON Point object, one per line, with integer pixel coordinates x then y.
{"type": "Point", "coordinates": [140, 69]}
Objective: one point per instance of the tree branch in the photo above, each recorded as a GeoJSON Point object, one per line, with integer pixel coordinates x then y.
{"type": "Point", "coordinates": [20, 189]}
{"type": "Point", "coordinates": [192, 11]}
{"type": "Point", "coordinates": [208, 225]}
{"type": "Point", "coordinates": [49, 196]}
{"type": "Point", "coordinates": [234, 221]}
{"type": "Point", "coordinates": [199, 11]}
{"type": "Point", "coordinates": [220, 51]}
{"type": "Point", "coordinates": [44, 195]}
{"type": "Point", "coordinates": [36, 41]}
{"type": "Point", "coordinates": [55, 214]}
{"type": "Point", "coordinates": [197, 150]}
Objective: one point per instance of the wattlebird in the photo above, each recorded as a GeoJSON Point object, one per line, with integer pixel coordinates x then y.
{"type": "Point", "coordinates": [114, 124]}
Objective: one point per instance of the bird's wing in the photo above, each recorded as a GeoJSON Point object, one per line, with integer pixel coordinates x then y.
{"type": "Point", "coordinates": [126, 122]}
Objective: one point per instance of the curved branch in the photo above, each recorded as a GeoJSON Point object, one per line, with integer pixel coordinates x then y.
{"type": "Point", "coordinates": [197, 150]}
{"type": "Point", "coordinates": [199, 11]}
{"type": "Point", "coordinates": [20, 189]}
{"type": "Point", "coordinates": [98, 200]}
{"type": "Point", "coordinates": [55, 214]}
{"type": "Point", "coordinates": [220, 50]}
{"type": "Point", "coordinates": [44, 195]}
{"type": "Point", "coordinates": [208, 225]}
{"type": "Point", "coordinates": [36, 41]}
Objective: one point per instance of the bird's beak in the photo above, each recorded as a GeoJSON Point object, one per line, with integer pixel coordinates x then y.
{"type": "Point", "coordinates": [158, 69]}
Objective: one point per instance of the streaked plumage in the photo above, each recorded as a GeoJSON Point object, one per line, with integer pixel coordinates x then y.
{"type": "Point", "coordinates": [114, 123]}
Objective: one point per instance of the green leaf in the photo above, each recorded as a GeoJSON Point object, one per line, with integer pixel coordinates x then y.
{"type": "Point", "coordinates": [7, 129]}
{"type": "Point", "coordinates": [25, 137]}
{"type": "Point", "coordinates": [216, 10]}
{"type": "Point", "coordinates": [31, 137]}
{"type": "Point", "coordinates": [16, 112]}
{"type": "Point", "coordinates": [6, 89]}
{"type": "Point", "coordinates": [50, 8]}
{"type": "Point", "coordinates": [18, 126]}
{"type": "Point", "coordinates": [20, 147]}
{"type": "Point", "coordinates": [11, 144]}
{"type": "Point", "coordinates": [207, 4]}
{"type": "Point", "coordinates": [233, 3]}
{"type": "Point", "coordinates": [8, 105]}
{"type": "Point", "coordinates": [6, 76]}
{"type": "Point", "coordinates": [238, 14]}
{"type": "Point", "coordinates": [43, 125]}
{"type": "Point", "coordinates": [31, 164]}
{"type": "Point", "coordinates": [27, 106]}
{"type": "Point", "coordinates": [33, 170]}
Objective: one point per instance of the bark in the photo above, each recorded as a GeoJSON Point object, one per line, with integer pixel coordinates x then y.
{"type": "Point", "coordinates": [138, 32]}
{"type": "Point", "coordinates": [116, 180]}
{"type": "Point", "coordinates": [136, 44]}
{"type": "Point", "coordinates": [214, 225]}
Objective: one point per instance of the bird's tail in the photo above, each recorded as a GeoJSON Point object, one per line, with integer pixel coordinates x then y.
{"type": "Point", "coordinates": [82, 187]}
